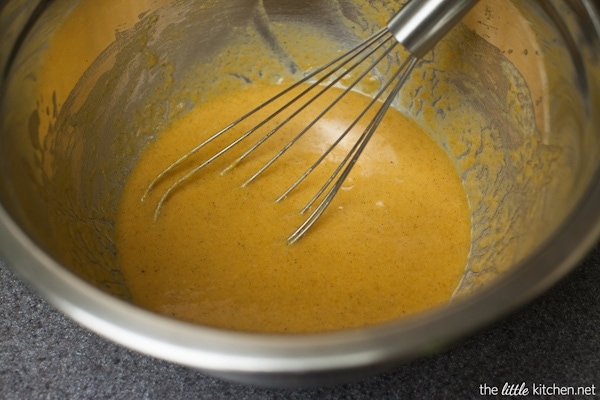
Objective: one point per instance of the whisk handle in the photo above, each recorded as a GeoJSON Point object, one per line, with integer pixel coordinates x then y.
{"type": "Point", "coordinates": [420, 24]}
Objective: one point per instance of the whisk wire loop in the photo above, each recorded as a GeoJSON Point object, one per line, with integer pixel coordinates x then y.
{"type": "Point", "coordinates": [352, 157]}
{"type": "Point", "coordinates": [334, 65]}
{"type": "Point", "coordinates": [316, 119]}
{"type": "Point", "coordinates": [369, 127]}
{"type": "Point", "coordinates": [417, 26]}
{"type": "Point", "coordinates": [339, 139]}
{"type": "Point", "coordinates": [307, 103]}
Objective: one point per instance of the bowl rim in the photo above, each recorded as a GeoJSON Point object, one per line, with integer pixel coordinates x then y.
{"type": "Point", "coordinates": [223, 351]}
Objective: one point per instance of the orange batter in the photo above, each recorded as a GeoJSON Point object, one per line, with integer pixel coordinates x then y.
{"type": "Point", "coordinates": [394, 241]}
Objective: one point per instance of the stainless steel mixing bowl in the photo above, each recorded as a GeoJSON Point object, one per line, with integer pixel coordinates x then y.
{"type": "Point", "coordinates": [86, 85]}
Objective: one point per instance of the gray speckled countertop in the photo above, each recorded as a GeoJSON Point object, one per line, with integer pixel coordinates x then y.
{"type": "Point", "coordinates": [553, 341]}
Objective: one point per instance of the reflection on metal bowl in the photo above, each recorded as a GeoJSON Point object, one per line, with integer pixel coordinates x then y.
{"type": "Point", "coordinates": [510, 94]}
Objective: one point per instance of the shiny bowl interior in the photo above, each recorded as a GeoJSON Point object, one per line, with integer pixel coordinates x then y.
{"type": "Point", "coordinates": [527, 74]}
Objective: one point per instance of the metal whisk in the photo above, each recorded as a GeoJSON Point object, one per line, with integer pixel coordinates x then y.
{"type": "Point", "coordinates": [418, 26]}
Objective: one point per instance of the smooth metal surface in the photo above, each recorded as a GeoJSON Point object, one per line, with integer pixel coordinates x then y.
{"type": "Point", "coordinates": [420, 24]}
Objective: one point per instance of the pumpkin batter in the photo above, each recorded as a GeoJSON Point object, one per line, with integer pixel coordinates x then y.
{"type": "Point", "coordinates": [394, 241]}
